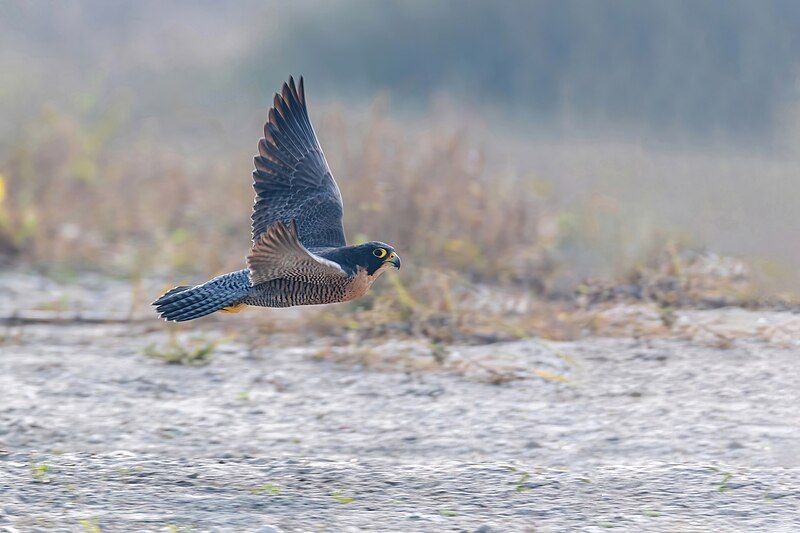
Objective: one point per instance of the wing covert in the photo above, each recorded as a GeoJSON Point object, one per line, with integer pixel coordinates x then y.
{"type": "Point", "coordinates": [279, 254]}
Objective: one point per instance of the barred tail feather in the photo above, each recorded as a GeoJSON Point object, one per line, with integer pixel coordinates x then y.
{"type": "Point", "coordinates": [187, 303]}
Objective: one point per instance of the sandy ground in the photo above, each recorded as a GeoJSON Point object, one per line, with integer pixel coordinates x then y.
{"type": "Point", "coordinates": [639, 435]}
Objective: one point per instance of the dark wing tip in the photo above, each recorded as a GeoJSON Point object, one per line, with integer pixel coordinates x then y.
{"type": "Point", "coordinates": [291, 91]}
{"type": "Point", "coordinates": [302, 92]}
{"type": "Point", "coordinates": [288, 114]}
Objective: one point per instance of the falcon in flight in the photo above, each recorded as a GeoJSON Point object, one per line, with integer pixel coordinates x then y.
{"type": "Point", "coordinates": [299, 254]}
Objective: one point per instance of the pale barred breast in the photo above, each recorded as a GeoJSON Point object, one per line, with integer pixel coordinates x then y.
{"type": "Point", "coordinates": [286, 293]}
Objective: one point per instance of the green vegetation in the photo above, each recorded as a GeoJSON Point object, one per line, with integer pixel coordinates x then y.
{"type": "Point", "coordinates": [267, 488]}
{"type": "Point", "coordinates": [723, 486]}
{"type": "Point", "coordinates": [521, 485]}
{"type": "Point", "coordinates": [341, 498]}
{"type": "Point", "coordinates": [175, 528]}
{"type": "Point", "coordinates": [90, 525]}
{"type": "Point", "coordinates": [39, 471]}
{"type": "Point", "coordinates": [193, 352]}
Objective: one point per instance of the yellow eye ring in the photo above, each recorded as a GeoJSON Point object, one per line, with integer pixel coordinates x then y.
{"type": "Point", "coordinates": [380, 253]}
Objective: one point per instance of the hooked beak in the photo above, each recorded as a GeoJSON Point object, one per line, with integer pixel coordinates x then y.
{"type": "Point", "coordinates": [394, 259]}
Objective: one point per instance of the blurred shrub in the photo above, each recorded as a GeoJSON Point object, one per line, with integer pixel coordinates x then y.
{"type": "Point", "coordinates": [86, 189]}
{"type": "Point", "coordinates": [83, 193]}
{"type": "Point", "coordinates": [76, 195]}
{"type": "Point", "coordinates": [432, 193]}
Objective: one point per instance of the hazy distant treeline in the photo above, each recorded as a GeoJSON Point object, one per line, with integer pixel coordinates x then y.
{"type": "Point", "coordinates": [722, 68]}
{"type": "Point", "coordinates": [710, 66]}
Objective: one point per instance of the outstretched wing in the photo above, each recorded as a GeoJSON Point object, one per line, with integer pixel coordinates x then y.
{"type": "Point", "coordinates": [277, 253]}
{"type": "Point", "coordinates": [292, 179]}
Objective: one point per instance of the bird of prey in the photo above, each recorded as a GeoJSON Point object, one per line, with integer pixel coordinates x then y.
{"type": "Point", "coordinates": [299, 254]}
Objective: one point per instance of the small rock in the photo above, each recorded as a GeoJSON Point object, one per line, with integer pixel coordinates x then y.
{"type": "Point", "coordinates": [269, 529]}
{"type": "Point", "coordinates": [733, 486]}
{"type": "Point", "coordinates": [778, 495]}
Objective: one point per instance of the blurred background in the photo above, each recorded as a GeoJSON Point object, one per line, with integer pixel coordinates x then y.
{"type": "Point", "coordinates": [596, 204]}
{"type": "Point", "coordinates": [534, 144]}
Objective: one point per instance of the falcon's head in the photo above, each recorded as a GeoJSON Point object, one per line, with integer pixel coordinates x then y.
{"type": "Point", "coordinates": [375, 257]}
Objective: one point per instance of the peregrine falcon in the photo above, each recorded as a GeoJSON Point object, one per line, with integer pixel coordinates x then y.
{"type": "Point", "coordinates": [299, 254]}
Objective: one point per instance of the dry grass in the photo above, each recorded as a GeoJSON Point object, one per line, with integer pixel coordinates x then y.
{"type": "Point", "coordinates": [188, 352]}
{"type": "Point", "coordinates": [481, 244]}
{"type": "Point", "coordinates": [77, 196]}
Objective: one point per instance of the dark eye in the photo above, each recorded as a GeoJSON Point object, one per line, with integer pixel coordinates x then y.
{"type": "Point", "coordinates": [380, 253]}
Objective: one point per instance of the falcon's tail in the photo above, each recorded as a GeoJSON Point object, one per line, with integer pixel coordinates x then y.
{"type": "Point", "coordinates": [187, 303]}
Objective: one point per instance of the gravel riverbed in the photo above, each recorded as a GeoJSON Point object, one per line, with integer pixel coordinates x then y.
{"type": "Point", "coordinates": [634, 434]}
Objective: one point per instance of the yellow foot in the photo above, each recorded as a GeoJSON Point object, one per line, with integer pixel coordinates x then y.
{"type": "Point", "coordinates": [234, 308]}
